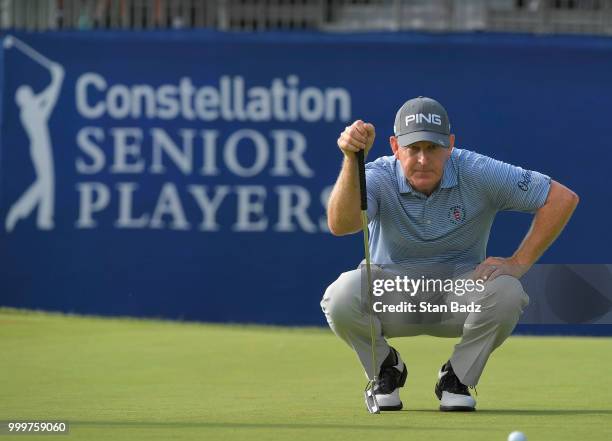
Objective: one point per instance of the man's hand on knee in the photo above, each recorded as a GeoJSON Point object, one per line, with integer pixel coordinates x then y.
{"type": "Point", "coordinates": [494, 267]}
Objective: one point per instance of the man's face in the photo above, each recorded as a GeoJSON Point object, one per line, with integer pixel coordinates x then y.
{"type": "Point", "coordinates": [423, 163]}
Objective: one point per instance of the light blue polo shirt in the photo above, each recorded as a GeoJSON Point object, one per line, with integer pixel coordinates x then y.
{"type": "Point", "coordinates": [452, 225]}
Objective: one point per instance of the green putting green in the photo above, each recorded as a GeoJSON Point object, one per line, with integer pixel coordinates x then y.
{"type": "Point", "coordinates": [127, 379]}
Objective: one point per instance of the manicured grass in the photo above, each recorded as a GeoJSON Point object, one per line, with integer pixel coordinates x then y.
{"type": "Point", "coordinates": [122, 379]}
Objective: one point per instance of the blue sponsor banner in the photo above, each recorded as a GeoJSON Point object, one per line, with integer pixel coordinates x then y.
{"type": "Point", "coordinates": [184, 174]}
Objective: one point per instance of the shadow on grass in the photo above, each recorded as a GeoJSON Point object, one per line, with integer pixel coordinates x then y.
{"type": "Point", "coordinates": [316, 425]}
{"type": "Point", "coordinates": [520, 412]}
{"type": "Point", "coordinates": [237, 425]}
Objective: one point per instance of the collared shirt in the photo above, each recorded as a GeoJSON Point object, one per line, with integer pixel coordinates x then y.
{"type": "Point", "coordinates": [452, 225]}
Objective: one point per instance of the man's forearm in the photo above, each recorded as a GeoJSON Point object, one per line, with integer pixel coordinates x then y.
{"type": "Point", "coordinates": [343, 209]}
{"type": "Point", "coordinates": [547, 224]}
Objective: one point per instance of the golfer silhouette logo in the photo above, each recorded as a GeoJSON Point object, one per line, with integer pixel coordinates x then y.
{"type": "Point", "coordinates": [34, 112]}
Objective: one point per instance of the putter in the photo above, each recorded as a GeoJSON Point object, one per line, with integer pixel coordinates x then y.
{"type": "Point", "coordinates": [370, 398]}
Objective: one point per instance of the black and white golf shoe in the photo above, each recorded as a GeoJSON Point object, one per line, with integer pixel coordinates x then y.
{"type": "Point", "coordinates": [452, 393]}
{"type": "Point", "coordinates": [393, 374]}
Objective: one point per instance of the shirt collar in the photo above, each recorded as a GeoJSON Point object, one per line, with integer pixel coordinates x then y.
{"type": "Point", "coordinates": [449, 176]}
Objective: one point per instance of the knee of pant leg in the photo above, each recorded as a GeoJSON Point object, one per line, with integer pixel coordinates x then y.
{"type": "Point", "coordinates": [341, 299]}
{"type": "Point", "coordinates": [510, 296]}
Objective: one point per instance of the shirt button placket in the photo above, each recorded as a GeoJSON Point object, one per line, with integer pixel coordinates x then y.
{"type": "Point", "coordinates": [423, 211]}
{"type": "Point", "coordinates": [426, 219]}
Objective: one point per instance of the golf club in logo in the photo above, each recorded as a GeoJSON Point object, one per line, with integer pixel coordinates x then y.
{"type": "Point", "coordinates": [34, 112]}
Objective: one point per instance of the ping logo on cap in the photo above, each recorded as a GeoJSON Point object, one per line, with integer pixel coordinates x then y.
{"type": "Point", "coordinates": [431, 118]}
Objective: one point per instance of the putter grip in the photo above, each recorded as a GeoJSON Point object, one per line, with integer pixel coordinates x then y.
{"type": "Point", "coordinates": [362, 179]}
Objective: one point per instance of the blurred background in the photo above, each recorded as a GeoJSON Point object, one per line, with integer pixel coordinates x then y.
{"type": "Point", "coordinates": [533, 16]}
{"type": "Point", "coordinates": [173, 158]}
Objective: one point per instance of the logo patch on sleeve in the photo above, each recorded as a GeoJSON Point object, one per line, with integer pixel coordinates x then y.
{"type": "Point", "coordinates": [523, 184]}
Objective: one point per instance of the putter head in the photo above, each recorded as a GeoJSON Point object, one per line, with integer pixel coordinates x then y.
{"type": "Point", "coordinates": [370, 400]}
{"type": "Point", "coordinates": [8, 42]}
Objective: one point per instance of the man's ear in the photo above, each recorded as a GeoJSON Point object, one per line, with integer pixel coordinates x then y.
{"type": "Point", "coordinates": [451, 144]}
{"type": "Point", "coordinates": [394, 145]}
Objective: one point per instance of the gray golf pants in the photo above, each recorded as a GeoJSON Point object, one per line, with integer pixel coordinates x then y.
{"type": "Point", "coordinates": [501, 304]}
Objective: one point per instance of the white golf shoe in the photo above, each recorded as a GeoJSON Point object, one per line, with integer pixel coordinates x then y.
{"type": "Point", "coordinates": [393, 374]}
{"type": "Point", "coordinates": [452, 393]}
